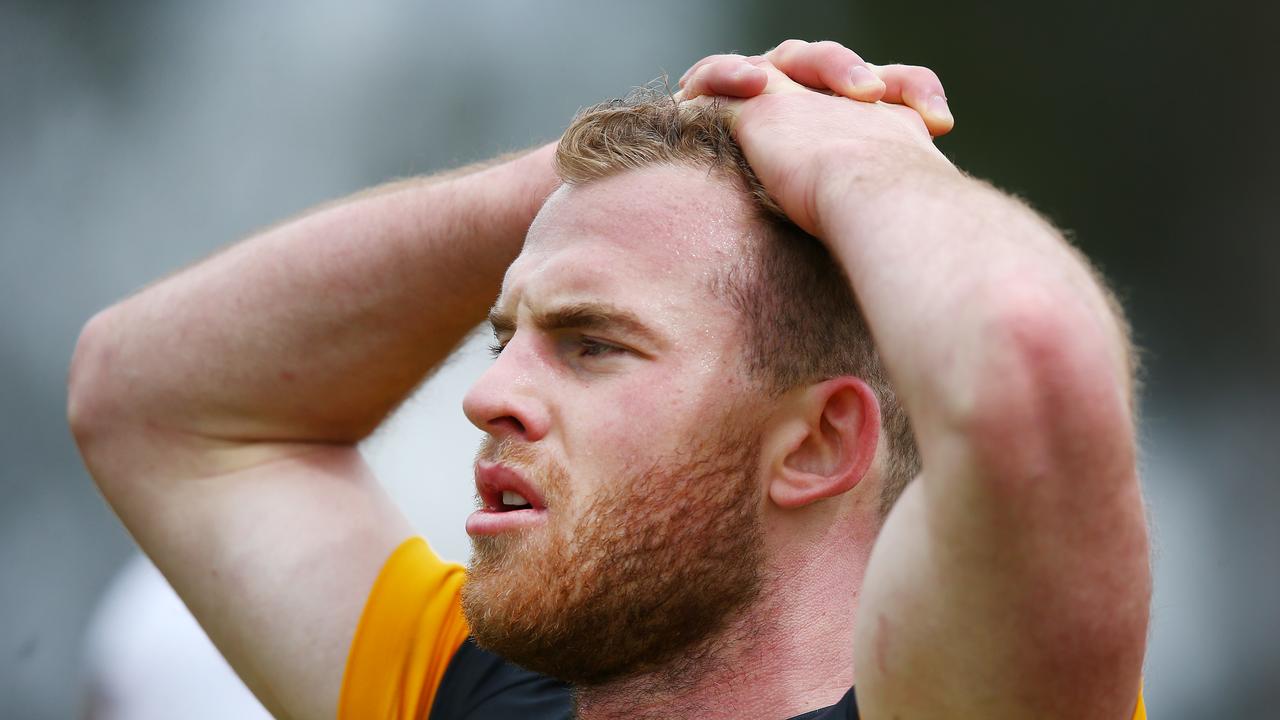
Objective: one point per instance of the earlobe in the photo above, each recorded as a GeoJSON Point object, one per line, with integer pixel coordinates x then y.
{"type": "Point", "coordinates": [824, 443]}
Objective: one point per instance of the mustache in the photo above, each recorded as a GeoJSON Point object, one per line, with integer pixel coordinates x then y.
{"type": "Point", "coordinates": [507, 451]}
{"type": "Point", "coordinates": [547, 477]}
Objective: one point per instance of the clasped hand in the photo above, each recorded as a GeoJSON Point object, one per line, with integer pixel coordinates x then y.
{"type": "Point", "coordinates": [798, 130]}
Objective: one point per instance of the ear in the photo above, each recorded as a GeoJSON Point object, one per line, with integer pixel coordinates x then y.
{"type": "Point", "coordinates": [822, 442]}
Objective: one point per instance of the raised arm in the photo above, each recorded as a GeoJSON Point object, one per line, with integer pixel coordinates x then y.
{"type": "Point", "coordinates": [219, 409]}
{"type": "Point", "coordinates": [1012, 578]}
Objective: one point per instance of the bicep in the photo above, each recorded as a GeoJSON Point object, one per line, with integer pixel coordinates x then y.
{"type": "Point", "coordinates": [999, 603]}
{"type": "Point", "coordinates": [1013, 579]}
{"type": "Point", "coordinates": [274, 557]}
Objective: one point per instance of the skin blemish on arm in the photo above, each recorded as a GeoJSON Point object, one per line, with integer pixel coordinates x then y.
{"type": "Point", "coordinates": [882, 644]}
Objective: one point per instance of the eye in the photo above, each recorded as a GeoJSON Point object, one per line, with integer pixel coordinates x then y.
{"type": "Point", "coordinates": [594, 348]}
{"type": "Point", "coordinates": [583, 346]}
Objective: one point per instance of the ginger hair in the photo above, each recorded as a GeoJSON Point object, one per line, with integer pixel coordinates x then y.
{"type": "Point", "coordinates": [801, 320]}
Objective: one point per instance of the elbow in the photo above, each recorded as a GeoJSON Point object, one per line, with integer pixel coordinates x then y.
{"type": "Point", "coordinates": [92, 405]}
{"type": "Point", "coordinates": [1048, 392]}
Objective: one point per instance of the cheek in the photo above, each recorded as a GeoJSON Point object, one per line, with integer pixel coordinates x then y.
{"type": "Point", "coordinates": [621, 429]}
{"type": "Point", "coordinates": [632, 422]}
{"type": "Point", "coordinates": [629, 422]}
{"type": "Point", "coordinates": [653, 420]}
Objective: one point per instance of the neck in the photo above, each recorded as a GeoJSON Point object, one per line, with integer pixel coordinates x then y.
{"type": "Point", "coordinates": [790, 652]}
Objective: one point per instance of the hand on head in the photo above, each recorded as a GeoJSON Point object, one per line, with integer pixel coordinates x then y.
{"type": "Point", "coordinates": [804, 139]}
{"type": "Point", "coordinates": [826, 66]}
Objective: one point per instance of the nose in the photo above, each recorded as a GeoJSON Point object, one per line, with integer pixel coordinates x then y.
{"type": "Point", "coordinates": [507, 399]}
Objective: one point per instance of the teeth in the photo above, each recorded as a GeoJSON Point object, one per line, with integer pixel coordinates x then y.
{"type": "Point", "coordinates": [513, 498]}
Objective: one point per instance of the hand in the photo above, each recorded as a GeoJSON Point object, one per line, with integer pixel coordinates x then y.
{"type": "Point", "coordinates": [826, 66]}
{"type": "Point", "coordinates": [808, 148]}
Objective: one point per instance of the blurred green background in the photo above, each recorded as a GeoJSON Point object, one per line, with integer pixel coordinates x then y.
{"type": "Point", "coordinates": [136, 137]}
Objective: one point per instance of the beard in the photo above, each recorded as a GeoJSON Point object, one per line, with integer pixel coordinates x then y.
{"type": "Point", "coordinates": [660, 563]}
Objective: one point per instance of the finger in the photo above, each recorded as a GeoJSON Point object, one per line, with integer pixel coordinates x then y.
{"type": "Point", "coordinates": [727, 106]}
{"type": "Point", "coordinates": [920, 89]}
{"type": "Point", "coordinates": [730, 76]}
{"type": "Point", "coordinates": [704, 61]}
{"type": "Point", "coordinates": [828, 65]}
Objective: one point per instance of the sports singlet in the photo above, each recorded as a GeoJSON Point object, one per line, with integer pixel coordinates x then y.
{"type": "Point", "coordinates": [411, 658]}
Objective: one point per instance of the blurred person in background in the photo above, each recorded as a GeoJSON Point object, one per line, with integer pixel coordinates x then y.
{"type": "Point", "coordinates": [146, 657]}
{"type": "Point", "coordinates": [700, 493]}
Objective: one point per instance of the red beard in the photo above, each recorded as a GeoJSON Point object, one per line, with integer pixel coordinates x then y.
{"type": "Point", "coordinates": [659, 563]}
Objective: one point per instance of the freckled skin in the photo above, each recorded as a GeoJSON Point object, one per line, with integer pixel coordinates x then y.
{"type": "Point", "coordinates": [643, 240]}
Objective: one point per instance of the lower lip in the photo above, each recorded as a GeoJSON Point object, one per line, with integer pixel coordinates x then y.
{"type": "Point", "coordinates": [492, 522]}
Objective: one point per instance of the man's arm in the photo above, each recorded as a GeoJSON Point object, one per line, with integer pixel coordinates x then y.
{"type": "Point", "coordinates": [1012, 579]}
{"type": "Point", "coordinates": [219, 409]}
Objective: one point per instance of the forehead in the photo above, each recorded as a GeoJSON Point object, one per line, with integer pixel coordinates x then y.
{"type": "Point", "coordinates": [661, 229]}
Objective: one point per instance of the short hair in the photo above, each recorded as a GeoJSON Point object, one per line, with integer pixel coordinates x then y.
{"type": "Point", "coordinates": [802, 323]}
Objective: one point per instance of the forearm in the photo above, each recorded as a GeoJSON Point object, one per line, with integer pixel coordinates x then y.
{"type": "Point", "coordinates": [315, 329]}
{"type": "Point", "coordinates": [1011, 579]}
{"type": "Point", "coordinates": [962, 284]}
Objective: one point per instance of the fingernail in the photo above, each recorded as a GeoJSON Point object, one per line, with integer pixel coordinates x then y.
{"type": "Point", "coordinates": [938, 107]}
{"type": "Point", "coordinates": [862, 77]}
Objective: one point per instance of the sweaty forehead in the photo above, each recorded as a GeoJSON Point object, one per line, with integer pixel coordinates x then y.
{"type": "Point", "coordinates": [666, 217]}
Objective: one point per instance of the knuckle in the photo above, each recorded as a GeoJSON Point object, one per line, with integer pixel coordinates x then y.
{"type": "Point", "coordinates": [832, 53]}
{"type": "Point", "coordinates": [788, 47]}
{"type": "Point", "coordinates": [829, 47]}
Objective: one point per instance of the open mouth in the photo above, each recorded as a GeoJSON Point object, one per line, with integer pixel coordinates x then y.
{"type": "Point", "coordinates": [503, 489]}
{"type": "Point", "coordinates": [508, 502]}
{"type": "Point", "coordinates": [504, 500]}
{"type": "Point", "coordinates": [512, 500]}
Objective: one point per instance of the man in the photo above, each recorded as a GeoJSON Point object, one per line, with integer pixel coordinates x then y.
{"type": "Point", "coordinates": [692, 446]}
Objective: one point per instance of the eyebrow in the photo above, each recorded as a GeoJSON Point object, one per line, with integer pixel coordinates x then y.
{"type": "Point", "coordinates": [581, 316]}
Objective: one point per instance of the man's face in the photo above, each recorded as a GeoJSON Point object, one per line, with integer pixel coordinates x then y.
{"type": "Point", "coordinates": [618, 409]}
